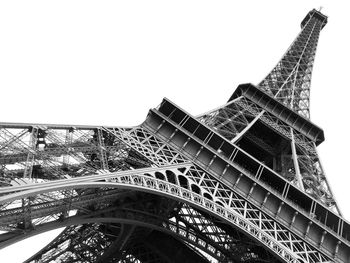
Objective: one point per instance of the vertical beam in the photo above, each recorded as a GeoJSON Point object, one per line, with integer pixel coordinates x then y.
{"type": "Point", "coordinates": [31, 152]}
{"type": "Point", "coordinates": [104, 161]}
{"type": "Point", "coordinates": [295, 161]}
{"type": "Point", "coordinates": [68, 142]}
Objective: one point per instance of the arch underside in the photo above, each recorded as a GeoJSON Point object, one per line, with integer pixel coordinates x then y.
{"type": "Point", "coordinates": [129, 227]}
{"type": "Point", "coordinates": [201, 226]}
{"type": "Point", "coordinates": [133, 234]}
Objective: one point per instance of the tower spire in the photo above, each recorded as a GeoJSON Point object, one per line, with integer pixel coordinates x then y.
{"type": "Point", "coordinates": [289, 81]}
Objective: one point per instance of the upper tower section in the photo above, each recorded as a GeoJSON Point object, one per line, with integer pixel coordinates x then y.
{"type": "Point", "coordinates": [314, 14]}
{"type": "Point", "coordinates": [289, 81]}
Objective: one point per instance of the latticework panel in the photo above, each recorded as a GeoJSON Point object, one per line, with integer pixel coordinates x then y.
{"type": "Point", "coordinates": [289, 82]}
{"type": "Point", "coordinates": [235, 120]}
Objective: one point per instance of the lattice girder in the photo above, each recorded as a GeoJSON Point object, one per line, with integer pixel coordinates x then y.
{"type": "Point", "coordinates": [231, 184]}
{"type": "Point", "coordinates": [155, 150]}
{"type": "Point", "coordinates": [229, 120]}
{"type": "Point", "coordinates": [305, 155]}
{"type": "Point", "coordinates": [229, 216]}
{"type": "Point", "coordinates": [213, 154]}
{"type": "Point", "coordinates": [289, 82]}
{"type": "Point", "coordinates": [238, 203]}
{"type": "Point", "coordinates": [204, 242]}
{"type": "Point", "coordinates": [59, 152]}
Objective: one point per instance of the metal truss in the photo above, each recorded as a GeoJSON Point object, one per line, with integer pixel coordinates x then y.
{"type": "Point", "coordinates": [216, 190]}
{"type": "Point", "coordinates": [240, 183]}
{"type": "Point", "coordinates": [198, 184]}
{"type": "Point", "coordinates": [235, 120]}
{"type": "Point", "coordinates": [173, 191]}
{"type": "Point", "coordinates": [183, 224]}
{"type": "Point", "coordinates": [229, 120]}
{"type": "Point", "coordinates": [230, 164]}
{"type": "Point", "coordinates": [307, 165]}
{"type": "Point", "coordinates": [289, 82]}
{"type": "Point", "coordinates": [60, 152]}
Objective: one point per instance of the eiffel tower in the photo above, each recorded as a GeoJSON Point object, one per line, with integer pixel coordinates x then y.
{"type": "Point", "coordinates": [240, 183]}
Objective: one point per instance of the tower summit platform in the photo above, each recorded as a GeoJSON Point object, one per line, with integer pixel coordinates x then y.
{"type": "Point", "coordinates": [314, 14]}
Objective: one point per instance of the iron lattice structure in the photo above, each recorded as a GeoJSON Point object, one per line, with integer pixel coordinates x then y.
{"type": "Point", "coordinates": [241, 183]}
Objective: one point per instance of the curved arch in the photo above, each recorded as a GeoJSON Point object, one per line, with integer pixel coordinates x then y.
{"type": "Point", "coordinates": [183, 181]}
{"type": "Point", "coordinates": [177, 231]}
{"type": "Point", "coordinates": [159, 175]}
{"type": "Point", "coordinates": [171, 176]}
{"type": "Point", "coordinates": [208, 196]}
{"type": "Point", "coordinates": [152, 185]}
{"type": "Point", "coordinates": [195, 188]}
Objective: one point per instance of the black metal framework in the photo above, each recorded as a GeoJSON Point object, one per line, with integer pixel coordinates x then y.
{"type": "Point", "coordinates": [240, 183]}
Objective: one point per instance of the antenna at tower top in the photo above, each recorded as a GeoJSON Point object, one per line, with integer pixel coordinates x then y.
{"type": "Point", "coordinates": [319, 10]}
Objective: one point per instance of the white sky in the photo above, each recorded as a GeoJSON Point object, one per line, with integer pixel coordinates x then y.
{"type": "Point", "coordinates": [109, 62]}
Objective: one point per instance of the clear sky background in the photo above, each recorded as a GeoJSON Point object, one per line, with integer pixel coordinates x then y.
{"type": "Point", "coordinates": [109, 62]}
